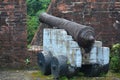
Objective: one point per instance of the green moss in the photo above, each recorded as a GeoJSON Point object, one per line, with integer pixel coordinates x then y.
{"type": "Point", "coordinates": [39, 75]}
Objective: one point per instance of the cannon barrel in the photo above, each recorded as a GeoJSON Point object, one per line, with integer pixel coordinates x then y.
{"type": "Point", "coordinates": [83, 35]}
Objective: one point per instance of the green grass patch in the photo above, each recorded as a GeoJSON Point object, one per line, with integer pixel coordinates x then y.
{"type": "Point", "coordinates": [38, 75]}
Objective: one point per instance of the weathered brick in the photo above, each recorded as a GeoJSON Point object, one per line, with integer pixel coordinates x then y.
{"type": "Point", "coordinates": [13, 36]}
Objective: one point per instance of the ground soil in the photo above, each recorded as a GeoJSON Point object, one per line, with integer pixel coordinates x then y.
{"type": "Point", "coordinates": [15, 75]}
{"type": "Point", "coordinates": [36, 75]}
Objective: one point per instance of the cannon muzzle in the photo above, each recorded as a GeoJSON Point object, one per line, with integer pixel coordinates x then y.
{"type": "Point", "coordinates": [83, 35]}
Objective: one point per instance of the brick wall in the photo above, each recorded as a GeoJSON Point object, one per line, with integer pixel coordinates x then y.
{"type": "Point", "coordinates": [93, 13]}
{"type": "Point", "coordinates": [13, 34]}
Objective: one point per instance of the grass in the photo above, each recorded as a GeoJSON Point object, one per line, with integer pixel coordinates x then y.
{"type": "Point", "coordinates": [109, 76]}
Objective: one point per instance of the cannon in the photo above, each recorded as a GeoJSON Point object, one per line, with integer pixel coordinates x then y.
{"type": "Point", "coordinates": [83, 35]}
{"type": "Point", "coordinates": [70, 48]}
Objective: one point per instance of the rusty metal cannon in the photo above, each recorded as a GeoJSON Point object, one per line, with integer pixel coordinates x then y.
{"type": "Point", "coordinates": [83, 35]}
{"type": "Point", "coordinates": [71, 49]}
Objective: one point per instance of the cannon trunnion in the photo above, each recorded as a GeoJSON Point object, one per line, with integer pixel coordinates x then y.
{"type": "Point", "coordinates": [69, 50]}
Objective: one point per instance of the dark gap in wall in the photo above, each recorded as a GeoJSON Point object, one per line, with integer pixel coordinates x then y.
{"type": "Point", "coordinates": [2, 20]}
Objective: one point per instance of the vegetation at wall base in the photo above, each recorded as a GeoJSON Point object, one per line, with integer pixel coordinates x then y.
{"type": "Point", "coordinates": [115, 58]}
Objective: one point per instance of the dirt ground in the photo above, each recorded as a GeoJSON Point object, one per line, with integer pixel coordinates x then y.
{"type": "Point", "coordinates": [22, 75]}
{"type": "Point", "coordinates": [15, 75]}
{"type": "Point", "coordinates": [36, 75]}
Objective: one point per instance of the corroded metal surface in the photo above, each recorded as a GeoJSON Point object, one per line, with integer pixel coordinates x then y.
{"type": "Point", "coordinates": [83, 35]}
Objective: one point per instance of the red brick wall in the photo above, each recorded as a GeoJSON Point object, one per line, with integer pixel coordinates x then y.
{"type": "Point", "coordinates": [13, 34]}
{"type": "Point", "coordinates": [94, 13]}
